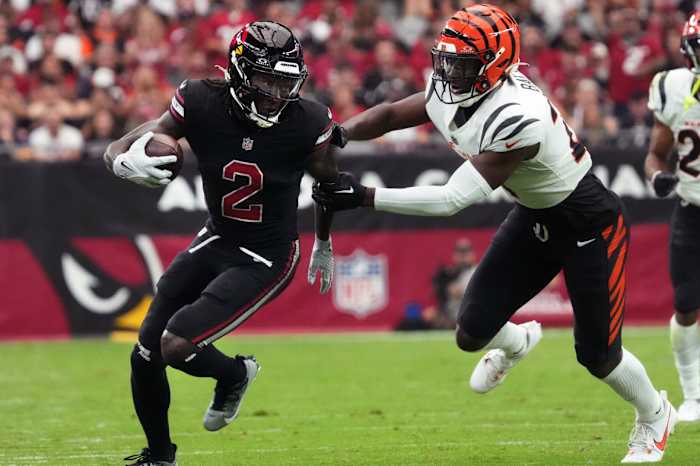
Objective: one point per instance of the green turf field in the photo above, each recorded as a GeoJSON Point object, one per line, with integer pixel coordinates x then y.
{"type": "Point", "coordinates": [378, 399]}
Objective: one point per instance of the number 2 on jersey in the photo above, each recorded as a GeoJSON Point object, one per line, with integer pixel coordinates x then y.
{"type": "Point", "coordinates": [230, 203]}
{"type": "Point", "coordinates": [691, 156]}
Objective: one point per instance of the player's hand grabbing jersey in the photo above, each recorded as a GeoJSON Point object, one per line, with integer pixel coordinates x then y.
{"type": "Point", "coordinates": [514, 116]}
{"type": "Point", "coordinates": [250, 175]}
{"type": "Point", "coordinates": [670, 98]}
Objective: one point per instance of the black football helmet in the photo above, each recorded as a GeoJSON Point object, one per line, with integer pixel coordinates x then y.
{"type": "Point", "coordinates": [265, 71]}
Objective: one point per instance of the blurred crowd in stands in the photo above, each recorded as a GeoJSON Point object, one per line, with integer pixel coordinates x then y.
{"type": "Point", "coordinates": [75, 74]}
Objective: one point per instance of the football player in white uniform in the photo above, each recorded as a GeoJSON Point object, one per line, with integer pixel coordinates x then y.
{"type": "Point", "coordinates": [512, 136]}
{"type": "Point", "coordinates": [673, 98]}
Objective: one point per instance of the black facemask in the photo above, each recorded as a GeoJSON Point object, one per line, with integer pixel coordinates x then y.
{"type": "Point", "coordinates": [458, 72]}
{"type": "Point", "coordinates": [690, 47]}
{"type": "Point", "coordinates": [273, 91]}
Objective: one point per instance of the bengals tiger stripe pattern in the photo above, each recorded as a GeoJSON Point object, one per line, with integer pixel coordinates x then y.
{"type": "Point", "coordinates": [617, 239]}
{"type": "Point", "coordinates": [486, 31]}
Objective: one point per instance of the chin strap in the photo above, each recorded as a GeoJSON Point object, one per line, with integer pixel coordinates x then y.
{"type": "Point", "coordinates": [227, 76]}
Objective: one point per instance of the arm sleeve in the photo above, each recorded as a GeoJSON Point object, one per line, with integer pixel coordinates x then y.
{"type": "Point", "coordinates": [658, 99]}
{"type": "Point", "coordinates": [177, 103]}
{"type": "Point", "coordinates": [511, 127]}
{"type": "Point", "coordinates": [465, 187]}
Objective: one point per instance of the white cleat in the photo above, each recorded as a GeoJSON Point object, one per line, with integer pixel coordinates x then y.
{"type": "Point", "coordinates": [226, 403]}
{"type": "Point", "coordinates": [648, 439]}
{"type": "Point", "coordinates": [689, 411]}
{"type": "Point", "coordinates": [493, 367]}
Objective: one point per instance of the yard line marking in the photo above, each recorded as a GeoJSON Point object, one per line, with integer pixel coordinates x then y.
{"type": "Point", "coordinates": [391, 426]}
{"type": "Point", "coordinates": [389, 446]}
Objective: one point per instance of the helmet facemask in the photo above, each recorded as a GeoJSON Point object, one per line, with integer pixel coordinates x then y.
{"type": "Point", "coordinates": [462, 75]}
{"type": "Point", "coordinates": [264, 94]}
{"type": "Point", "coordinates": [690, 48]}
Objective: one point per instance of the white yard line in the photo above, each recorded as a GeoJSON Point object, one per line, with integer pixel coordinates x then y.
{"type": "Point", "coordinates": [388, 446]}
{"type": "Point", "coordinates": [391, 425]}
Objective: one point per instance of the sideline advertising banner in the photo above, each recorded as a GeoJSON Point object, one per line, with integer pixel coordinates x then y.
{"type": "Point", "coordinates": [80, 250]}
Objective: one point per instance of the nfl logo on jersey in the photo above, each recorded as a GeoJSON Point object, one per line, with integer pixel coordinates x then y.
{"type": "Point", "coordinates": [247, 144]}
{"type": "Point", "coordinates": [361, 285]}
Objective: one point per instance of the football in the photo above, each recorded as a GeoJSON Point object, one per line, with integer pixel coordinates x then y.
{"type": "Point", "coordinates": [162, 144]}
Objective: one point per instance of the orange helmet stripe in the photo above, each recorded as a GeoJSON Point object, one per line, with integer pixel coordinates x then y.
{"type": "Point", "coordinates": [465, 26]}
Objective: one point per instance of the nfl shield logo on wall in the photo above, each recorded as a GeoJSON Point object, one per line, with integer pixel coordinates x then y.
{"type": "Point", "coordinates": [361, 284]}
{"type": "Point", "coordinates": [247, 144]}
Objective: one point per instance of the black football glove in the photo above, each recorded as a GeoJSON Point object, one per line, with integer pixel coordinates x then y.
{"type": "Point", "coordinates": [664, 183]}
{"type": "Point", "coordinates": [342, 194]}
{"type": "Point", "coordinates": [339, 136]}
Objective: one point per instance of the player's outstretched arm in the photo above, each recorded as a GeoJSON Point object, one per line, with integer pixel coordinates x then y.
{"type": "Point", "coordinates": [382, 119]}
{"type": "Point", "coordinates": [126, 156]}
{"type": "Point", "coordinates": [473, 181]}
{"type": "Point", "coordinates": [656, 164]}
{"type": "Point", "coordinates": [324, 168]}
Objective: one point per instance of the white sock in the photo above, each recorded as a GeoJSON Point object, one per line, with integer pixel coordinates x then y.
{"type": "Point", "coordinates": [511, 339]}
{"type": "Point", "coordinates": [685, 343]}
{"type": "Point", "coordinates": [630, 380]}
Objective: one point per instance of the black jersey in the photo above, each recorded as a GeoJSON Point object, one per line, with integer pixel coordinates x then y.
{"type": "Point", "coordinates": [251, 175]}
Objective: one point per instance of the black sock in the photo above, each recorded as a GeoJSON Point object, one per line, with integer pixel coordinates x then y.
{"type": "Point", "coordinates": [151, 394]}
{"type": "Point", "coordinates": [210, 362]}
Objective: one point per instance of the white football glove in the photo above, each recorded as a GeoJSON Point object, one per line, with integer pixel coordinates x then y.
{"type": "Point", "coordinates": [322, 260]}
{"type": "Point", "coordinates": [134, 165]}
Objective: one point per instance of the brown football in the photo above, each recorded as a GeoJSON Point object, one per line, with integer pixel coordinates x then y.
{"type": "Point", "coordinates": [160, 145]}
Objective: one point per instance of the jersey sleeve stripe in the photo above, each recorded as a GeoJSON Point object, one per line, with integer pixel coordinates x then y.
{"type": "Point", "coordinates": [491, 119]}
{"type": "Point", "coordinates": [506, 123]}
{"type": "Point", "coordinates": [179, 96]}
{"type": "Point", "coordinates": [521, 127]}
{"type": "Point", "coordinates": [662, 90]}
{"type": "Point", "coordinates": [555, 114]}
{"type": "Point", "coordinates": [326, 135]}
{"type": "Point", "coordinates": [175, 113]}
{"type": "Point", "coordinates": [176, 108]}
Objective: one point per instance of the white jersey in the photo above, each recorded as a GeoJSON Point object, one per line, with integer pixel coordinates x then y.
{"type": "Point", "coordinates": [516, 115]}
{"type": "Point", "coordinates": [670, 98]}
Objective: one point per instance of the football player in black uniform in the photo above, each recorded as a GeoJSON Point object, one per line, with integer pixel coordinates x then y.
{"type": "Point", "coordinates": [253, 137]}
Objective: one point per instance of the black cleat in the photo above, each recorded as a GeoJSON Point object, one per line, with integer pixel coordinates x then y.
{"type": "Point", "coordinates": [146, 458]}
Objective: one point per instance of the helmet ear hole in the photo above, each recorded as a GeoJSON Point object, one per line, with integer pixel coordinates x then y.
{"type": "Point", "coordinates": [489, 56]}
